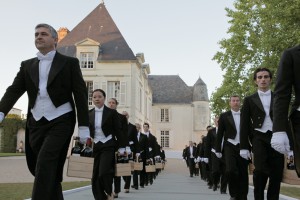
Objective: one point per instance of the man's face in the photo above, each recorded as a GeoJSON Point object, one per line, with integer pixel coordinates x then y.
{"type": "Point", "coordinates": [112, 104]}
{"type": "Point", "coordinates": [138, 127]}
{"type": "Point", "coordinates": [44, 42]}
{"type": "Point", "coordinates": [146, 128]}
{"type": "Point", "coordinates": [234, 103]}
{"type": "Point", "coordinates": [263, 80]}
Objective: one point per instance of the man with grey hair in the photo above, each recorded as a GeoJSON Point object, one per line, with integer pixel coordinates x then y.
{"type": "Point", "coordinates": [55, 89]}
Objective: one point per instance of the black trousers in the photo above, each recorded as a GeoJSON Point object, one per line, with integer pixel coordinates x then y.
{"type": "Point", "coordinates": [103, 170]}
{"type": "Point", "coordinates": [218, 172]}
{"type": "Point", "coordinates": [49, 141]}
{"type": "Point", "coordinates": [295, 119]}
{"type": "Point", "coordinates": [268, 164]}
{"type": "Point", "coordinates": [237, 171]}
{"type": "Point", "coordinates": [191, 166]}
{"type": "Point", "coordinates": [117, 184]}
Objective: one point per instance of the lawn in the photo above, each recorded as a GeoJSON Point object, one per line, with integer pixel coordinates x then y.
{"type": "Point", "coordinates": [11, 154]}
{"type": "Point", "coordinates": [20, 191]}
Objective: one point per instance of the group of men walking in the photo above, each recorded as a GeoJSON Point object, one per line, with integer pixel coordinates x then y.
{"type": "Point", "coordinates": [243, 136]}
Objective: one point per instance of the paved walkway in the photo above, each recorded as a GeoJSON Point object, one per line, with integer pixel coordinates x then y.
{"type": "Point", "coordinates": [173, 183]}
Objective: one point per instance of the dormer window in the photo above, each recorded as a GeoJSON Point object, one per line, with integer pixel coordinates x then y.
{"type": "Point", "coordinates": [86, 60]}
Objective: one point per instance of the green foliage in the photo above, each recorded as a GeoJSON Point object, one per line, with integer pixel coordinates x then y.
{"type": "Point", "coordinates": [258, 34]}
{"type": "Point", "coordinates": [10, 127]}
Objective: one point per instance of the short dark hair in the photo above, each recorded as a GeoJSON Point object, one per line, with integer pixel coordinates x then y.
{"type": "Point", "coordinates": [234, 95]}
{"type": "Point", "coordinates": [99, 90]}
{"type": "Point", "coordinates": [146, 124]}
{"type": "Point", "coordinates": [261, 69]}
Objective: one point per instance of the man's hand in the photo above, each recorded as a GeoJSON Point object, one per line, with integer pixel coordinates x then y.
{"type": "Point", "coordinates": [205, 160]}
{"type": "Point", "coordinates": [280, 142]}
{"type": "Point", "coordinates": [128, 150]}
{"type": "Point", "coordinates": [219, 155]}
{"type": "Point", "coordinates": [244, 153]}
{"type": "Point", "coordinates": [83, 133]}
{"type": "Point", "coordinates": [121, 151]}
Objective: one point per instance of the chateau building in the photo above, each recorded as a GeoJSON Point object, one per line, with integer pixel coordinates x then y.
{"type": "Point", "coordinates": [176, 112]}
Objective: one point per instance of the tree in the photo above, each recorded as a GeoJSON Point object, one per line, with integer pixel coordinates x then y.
{"type": "Point", "coordinates": [260, 30]}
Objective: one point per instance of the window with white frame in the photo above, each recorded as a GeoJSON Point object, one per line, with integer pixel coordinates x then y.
{"type": "Point", "coordinates": [113, 90]}
{"type": "Point", "coordinates": [164, 115]}
{"type": "Point", "coordinates": [89, 86]}
{"type": "Point", "coordinates": [165, 139]}
{"type": "Point", "coordinates": [87, 60]}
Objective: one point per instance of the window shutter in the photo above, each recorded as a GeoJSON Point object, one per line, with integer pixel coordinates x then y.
{"type": "Point", "coordinates": [123, 93]}
{"type": "Point", "coordinates": [170, 114]}
{"type": "Point", "coordinates": [104, 87]}
{"type": "Point", "coordinates": [96, 85]}
{"type": "Point", "coordinates": [158, 115]}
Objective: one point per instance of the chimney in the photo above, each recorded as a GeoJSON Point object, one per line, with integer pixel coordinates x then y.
{"type": "Point", "coordinates": [62, 32]}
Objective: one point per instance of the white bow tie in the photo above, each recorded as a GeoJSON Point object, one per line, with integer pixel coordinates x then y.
{"type": "Point", "coordinates": [48, 56]}
{"type": "Point", "coordinates": [98, 110]}
{"type": "Point", "coordinates": [268, 93]}
{"type": "Point", "coordinates": [236, 113]}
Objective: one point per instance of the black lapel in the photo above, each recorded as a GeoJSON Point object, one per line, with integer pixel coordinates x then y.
{"type": "Point", "coordinates": [34, 72]}
{"type": "Point", "coordinates": [56, 67]}
{"type": "Point", "coordinates": [105, 114]}
{"type": "Point", "coordinates": [258, 102]}
{"type": "Point", "coordinates": [230, 119]}
{"type": "Point", "coordinates": [92, 117]}
{"type": "Point", "coordinates": [271, 104]}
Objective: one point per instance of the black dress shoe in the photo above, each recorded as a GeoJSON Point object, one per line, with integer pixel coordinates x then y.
{"type": "Point", "coordinates": [223, 193]}
{"type": "Point", "coordinates": [116, 195]}
{"type": "Point", "coordinates": [210, 187]}
{"type": "Point", "coordinates": [215, 188]}
{"type": "Point", "coordinates": [142, 186]}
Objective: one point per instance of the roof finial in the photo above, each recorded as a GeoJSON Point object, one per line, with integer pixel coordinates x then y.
{"type": "Point", "coordinates": [102, 2]}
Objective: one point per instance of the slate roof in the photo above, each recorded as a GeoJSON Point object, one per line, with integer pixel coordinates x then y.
{"type": "Point", "coordinates": [98, 26]}
{"type": "Point", "coordinates": [200, 91]}
{"type": "Point", "coordinates": [169, 89]}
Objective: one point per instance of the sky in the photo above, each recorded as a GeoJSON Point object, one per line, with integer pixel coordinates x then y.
{"type": "Point", "coordinates": [176, 37]}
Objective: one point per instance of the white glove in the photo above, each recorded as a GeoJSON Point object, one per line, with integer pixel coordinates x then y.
{"type": "Point", "coordinates": [1, 116]}
{"type": "Point", "coordinates": [157, 157]}
{"type": "Point", "coordinates": [290, 153]}
{"type": "Point", "coordinates": [195, 160]}
{"type": "Point", "coordinates": [244, 153]}
{"type": "Point", "coordinates": [128, 150]}
{"type": "Point", "coordinates": [83, 133]}
{"type": "Point", "coordinates": [198, 159]}
{"type": "Point", "coordinates": [121, 151]}
{"type": "Point", "coordinates": [219, 155]}
{"type": "Point", "coordinates": [280, 142]}
{"type": "Point", "coordinates": [201, 159]}
{"type": "Point", "coordinates": [205, 160]}
{"type": "Point", "coordinates": [137, 154]}
{"type": "Point", "coordinates": [150, 149]}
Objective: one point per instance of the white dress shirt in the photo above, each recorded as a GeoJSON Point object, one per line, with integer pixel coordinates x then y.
{"type": "Point", "coordinates": [99, 135]}
{"type": "Point", "coordinates": [43, 106]}
{"type": "Point", "coordinates": [191, 152]}
{"type": "Point", "coordinates": [265, 98]}
{"type": "Point", "coordinates": [237, 119]}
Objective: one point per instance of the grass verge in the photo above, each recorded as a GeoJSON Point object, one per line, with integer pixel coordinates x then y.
{"type": "Point", "coordinates": [11, 154]}
{"type": "Point", "coordinates": [21, 191]}
{"type": "Point", "coordinates": [290, 191]}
